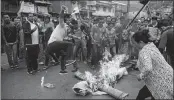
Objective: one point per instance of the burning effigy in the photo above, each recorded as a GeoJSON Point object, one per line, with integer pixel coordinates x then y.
{"type": "Point", "coordinates": [110, 72]}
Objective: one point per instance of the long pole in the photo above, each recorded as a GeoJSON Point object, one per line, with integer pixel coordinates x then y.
{"type": "Point", "coordinates": [128, 7]}
{"type": "Point", "coordinates": [136, 15]}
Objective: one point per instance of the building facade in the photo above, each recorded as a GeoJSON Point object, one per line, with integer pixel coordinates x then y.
{"type": "Point", "coordinates": [10, 7]}
{"type": "Point", "coordinates": [104, 8]}
{"type": "Point", "coordinates": [101, 8]}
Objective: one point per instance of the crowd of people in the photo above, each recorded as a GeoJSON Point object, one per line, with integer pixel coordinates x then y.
{"type": "Point", "coordinates": [64, 39]}
{"type": "Point", "coordinates": [91, 36]}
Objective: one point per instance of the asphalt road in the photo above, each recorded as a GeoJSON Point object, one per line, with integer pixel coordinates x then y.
{"type": "Point", "coordinates": [17, 84]}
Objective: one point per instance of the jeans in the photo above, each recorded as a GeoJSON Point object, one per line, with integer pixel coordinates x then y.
{"type": "Point", "coordinates": [60, 48]}
{"type": "Point", "coordinates": [55, 58]}
{"type": "Point", "coordinates": [80, 44]}
{"type": "Point", "coordinates": [144, 93]}
{"type": "Point", "coordinates": [32, 52]}
{"type": "Point", "coordinates": [11, 52]}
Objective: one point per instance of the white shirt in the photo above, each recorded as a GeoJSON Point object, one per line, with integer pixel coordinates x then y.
{"type": "Point", "coordinates": [35, 34]}
{"type": "Point", "coordinates": [59, 33]}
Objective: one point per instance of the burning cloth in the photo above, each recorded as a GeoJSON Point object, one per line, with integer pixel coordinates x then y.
{"type": "Point", "coordinates": [107, 77]}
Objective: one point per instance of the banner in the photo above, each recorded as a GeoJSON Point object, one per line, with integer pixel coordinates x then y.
{"type": "Point", "coordinates": [26, 7]}
{"type": "Point", "coordinates": [42, 9]}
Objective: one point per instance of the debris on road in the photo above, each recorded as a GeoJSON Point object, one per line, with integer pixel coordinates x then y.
{"type": "Point", "coordinates": [79, 75]}
{"type": "Point", "coordinates": [112, 91]}
{"type": "Point", "coordinates": [82, 88]}
{"type": "Point", "coordinates": [49, 85]}
{"type": "Point", "coordinates": [42, 81]}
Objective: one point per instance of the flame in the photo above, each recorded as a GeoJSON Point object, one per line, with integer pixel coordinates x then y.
{"type": "Point", "coordinates": [109, 71]}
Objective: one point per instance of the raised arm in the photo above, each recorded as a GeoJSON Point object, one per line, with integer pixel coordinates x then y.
{"type": "Point", "coordinates": [61, 18]}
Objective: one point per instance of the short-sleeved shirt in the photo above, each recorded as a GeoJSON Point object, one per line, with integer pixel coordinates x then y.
{"type": "Point", "coordinates": [98, 32]}
{"type": "Point", "coordinates": [10, 32]}
{"type": "Point", "coordinates": [110, 35]}
{"type": "Point", "coordinates": [58, 34]}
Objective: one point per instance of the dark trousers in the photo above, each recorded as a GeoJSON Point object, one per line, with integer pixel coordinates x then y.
{"type": "Point", "coordinates": [96, 54]}
{"type": "Point", "coordinates": [18, 48]}
{"type": "Point", "coordinates": [2, 48]}
{"type": "Point", "coordinates": [60, 48]}
{"type": "Point", "coordinates": [117, 45]}
{"type": "Point", "coordinates": [55, 58]}
{"type": "Point", "coordinates": [112, 50]}
{"type": "Point", "coordinates": [89, 48]}
{"type": "Point", "coordinates": [144, 93]}
{"type": "Point", "coordinates": [11, 52]}
{"type": "Point", "coordinates": [32, 52]}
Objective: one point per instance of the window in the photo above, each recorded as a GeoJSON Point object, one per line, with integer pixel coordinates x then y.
{"type": "Point", "coordinates": [6, 6]}
{"type": "Point", "coordinates": [104, 8]}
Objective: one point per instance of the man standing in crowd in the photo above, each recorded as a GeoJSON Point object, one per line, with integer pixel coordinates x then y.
{"type": "Point", "coordinates": [20, 44]}
{"type": "Point", "coordinates": [98, 32]}
{"type": "Point", "coordinates": [31, 35]}
{"type": "Point", "coordinates": [79, 43]}
{"type": "Point", "coordinates": [110, 33]}
{"type": "Point", "coordinates": [10, 37]}
{"type": "Point", "coordinates": [47, 30]}
{"type": "Point", "coordinates": [85, 28]}
{"type": "Point", "coordinates": [154, 31]}
{"type": "Point", "coordinates": [167, 40]}
{"type": "Point", "coordinates": [118, 32]}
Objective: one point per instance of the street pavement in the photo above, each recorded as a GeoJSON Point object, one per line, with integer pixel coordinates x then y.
{"type": "Point", "coordinates": [17, 84]}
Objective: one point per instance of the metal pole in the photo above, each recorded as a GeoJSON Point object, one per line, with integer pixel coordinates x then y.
{"type": "Point", "coordinates": [137, 15]}
{"type": "Point", "coordinates": [128, 7]}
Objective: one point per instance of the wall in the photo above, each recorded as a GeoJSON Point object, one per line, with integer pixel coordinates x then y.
{"type": "Point", "coordinates": [7, 6]}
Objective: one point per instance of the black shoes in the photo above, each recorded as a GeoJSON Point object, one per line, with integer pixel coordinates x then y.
{"type": "Point", "coordinates": [63, 72]}
{"type": "Point", "coordinates": [30, 72]}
